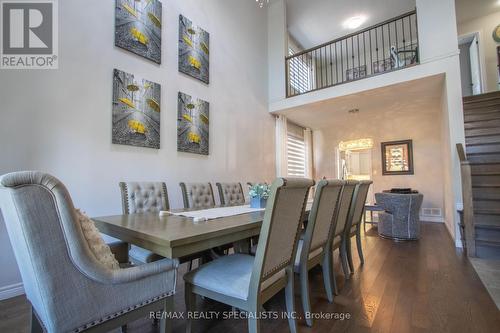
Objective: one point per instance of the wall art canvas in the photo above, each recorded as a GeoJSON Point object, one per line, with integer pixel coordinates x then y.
{"type": "Point", "coordinates": [136, 111]}
{"type": "Point", "coordinates": [193, 122]}
{"type": "Point", "coordinates": [138, 27]}
{"type": "Point", "coordinates": [193, 50]}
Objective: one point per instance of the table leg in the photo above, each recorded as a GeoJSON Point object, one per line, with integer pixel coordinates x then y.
{"type": "Point", "coordinates": [242, 246]}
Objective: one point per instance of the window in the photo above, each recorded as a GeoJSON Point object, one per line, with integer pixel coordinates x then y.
{"type": "Point", "coordinates": [296, 151]}
{"type": "Point", "coordinates": [300, 74]}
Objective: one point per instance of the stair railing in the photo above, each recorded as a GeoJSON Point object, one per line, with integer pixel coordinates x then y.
{"type": "Point", "coordinates": [385, 47]}
{"type": "Point", "coordinates": [467, 214]}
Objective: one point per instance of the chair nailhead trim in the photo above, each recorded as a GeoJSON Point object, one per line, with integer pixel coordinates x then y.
{"type": "Point", "coordinates": [117, 314]}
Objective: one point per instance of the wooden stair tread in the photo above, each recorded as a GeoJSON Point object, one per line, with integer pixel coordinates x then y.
{"type": "Point", "coordinates": [487, 211]}
{"type": "Point", "coordinates": [487, 242]}
{"type": "Point", "coordinates": [488, 224]}
{"type": "Point", "coordinates": [482, 97]}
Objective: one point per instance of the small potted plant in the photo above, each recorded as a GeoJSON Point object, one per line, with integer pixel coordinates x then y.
{"type": "Point", "coordinates": [258, 195]}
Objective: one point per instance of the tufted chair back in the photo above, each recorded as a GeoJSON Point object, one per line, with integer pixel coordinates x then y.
{"type": "Point", "coordinates": [231, 194]}
{"type": "Point", "coordinates": [144, 197]}
{"type": "Point", "coordinates": [197, 195]}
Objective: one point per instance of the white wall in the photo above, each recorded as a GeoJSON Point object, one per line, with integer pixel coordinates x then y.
{"type": "Point", "coordinates": [277, 48]}
{"type": "Point", "coordinates": [59, 121]}
{"type": "Point", "coordinates": [390, 123]}
{"type": "Point", "coordinates": [487, 46]}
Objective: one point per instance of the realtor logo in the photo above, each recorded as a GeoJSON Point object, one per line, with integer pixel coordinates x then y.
{"type": "Point", "coordinates": [29, 34]}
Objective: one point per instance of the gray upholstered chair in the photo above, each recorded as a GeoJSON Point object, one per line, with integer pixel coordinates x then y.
{"type": "Point", "coordinates": [231, 194]}
{"type": "Point", "coordinates": [143, 197]}
{"type": "Point", "coordinates": [246, 282]}
{"type": "Point", "coordinates": [197, 195]}
{"type": "Point", "coordinates": [401, 220]}
{"type": "Point", "coordinates": [354, 229]}
{"type": "Point", "coordinates": [315, 247]}
{"type": "Point", "coordinates": [69, 289]}
{"type": "Point", "coordinates": [343, 217]}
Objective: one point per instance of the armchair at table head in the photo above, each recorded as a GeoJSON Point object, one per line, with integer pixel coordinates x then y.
{"type": "Point", "coordinates": [56, 262]}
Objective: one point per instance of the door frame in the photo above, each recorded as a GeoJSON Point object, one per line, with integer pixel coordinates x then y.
{"type": "Point", "coordinates": [468, 37]}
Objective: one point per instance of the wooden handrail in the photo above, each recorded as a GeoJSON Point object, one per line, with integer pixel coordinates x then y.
{"type": "Point", "coordinates": [461, 152]}
{"type": "Point", "coordinates": [468, 204]}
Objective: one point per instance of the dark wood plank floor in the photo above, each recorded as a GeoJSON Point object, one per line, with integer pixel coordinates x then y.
{"type": "Point", "coordinates": [424, 286]}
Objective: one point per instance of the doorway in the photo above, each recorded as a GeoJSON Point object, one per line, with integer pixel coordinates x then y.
{"type": "Point", "coordinates": [354, 161]}
{"type": "Point", "coordinates": [470, 64]}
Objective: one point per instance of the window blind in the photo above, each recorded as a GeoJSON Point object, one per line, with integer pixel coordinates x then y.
{"type": "Point", "coordinates": [296, 151]}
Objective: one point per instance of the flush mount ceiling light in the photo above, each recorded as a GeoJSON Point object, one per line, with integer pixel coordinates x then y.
{"type": "Point", "coordinates": [354, 22]}
{"type": "Point", "coordinates": [262, 2]}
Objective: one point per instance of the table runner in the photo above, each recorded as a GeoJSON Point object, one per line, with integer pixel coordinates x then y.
{"type": "Point", "coordinates": [215, 213]}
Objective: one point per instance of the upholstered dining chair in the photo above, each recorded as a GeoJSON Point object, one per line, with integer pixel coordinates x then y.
{"type": "Point", "coordinates": [315, 246]}
{"type": "Point", "coordinates": [231, 194]}
{"type": "Point", "coordinates": [197, 195]}
{"type": "Point", "coordinates": [143, 197]}
{"type": "Point", "coordinates": [343, 217]}
{"type": "Point", "coordinates": [69, 288]}
{"type": "Point", "coordinates": [246, 282]}
{"type": "Point", "coordinates": [354, 228]}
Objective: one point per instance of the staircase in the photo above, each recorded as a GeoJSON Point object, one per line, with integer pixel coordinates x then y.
{"type": "Point", "coordinates": [482, 138]}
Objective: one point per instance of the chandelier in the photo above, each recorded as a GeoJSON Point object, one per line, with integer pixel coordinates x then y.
{"type": "Point", "coordinates": [262, 2]}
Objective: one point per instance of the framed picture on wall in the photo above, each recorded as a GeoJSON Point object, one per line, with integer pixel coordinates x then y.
{"type": "Point", "coordinates": [397, 158]}
{"type": "Point", "coordinates": [193, 122]}
{"type": "Point", "coordinates": [193, 50]}
{"type": "Point", "coordinates": [138, 27]}
{"type": "Point", "coordinates": [136, 111]}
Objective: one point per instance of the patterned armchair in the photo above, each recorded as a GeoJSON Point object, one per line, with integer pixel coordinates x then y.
{"type": "Point", "coordinates": [231, 194]}
{"type": "Point", "coordinates": [69, 289]}
{"type": "Point", "coordinates": [197, 195]}
{"type": "Point", "coordinates": [400, 221]}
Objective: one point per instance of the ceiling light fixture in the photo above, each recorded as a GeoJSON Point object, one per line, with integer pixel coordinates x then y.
{"type": "Point", "coordinates": [262, 2]}
{"type": "Point", "coordinates": [354, 22]}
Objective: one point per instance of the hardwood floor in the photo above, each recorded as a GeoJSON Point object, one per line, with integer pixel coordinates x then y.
{"type": "Point", "coordinates": [489, 273]}
{"type": "Point", "coordinates": [424, 286]}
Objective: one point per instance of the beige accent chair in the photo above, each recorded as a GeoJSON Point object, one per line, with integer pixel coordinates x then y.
{"type": "Point", "coordinates": [246, 282]}
{"type": "Point", "coordinates": [315, 247]}
{"type": "Point", "coordinates": [359, 201]}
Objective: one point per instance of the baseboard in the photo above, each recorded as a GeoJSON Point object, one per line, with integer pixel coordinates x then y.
{"type": "Point", "coordinates": [436, 219]}
{"type": "Point", "coordinates": [12, 290]}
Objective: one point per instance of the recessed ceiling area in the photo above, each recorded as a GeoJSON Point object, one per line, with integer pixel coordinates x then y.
{"type": "Point", "coordinates": [422, 95]}
{"type": "Point", "coordinates": [471, 9]}
{"type": "Point", "coordinates": [313, 22]}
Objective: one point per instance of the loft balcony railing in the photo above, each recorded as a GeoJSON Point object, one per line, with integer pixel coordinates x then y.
{"type": "Point", "coordinates": [382, 48]}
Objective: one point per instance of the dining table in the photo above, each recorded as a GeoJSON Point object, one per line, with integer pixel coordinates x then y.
{"type": "Point", "coordinates": [178, 234]}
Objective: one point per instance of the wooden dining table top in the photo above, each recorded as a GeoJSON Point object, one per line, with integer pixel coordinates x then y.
{"type": "Point", "coordinates": [174, 236]}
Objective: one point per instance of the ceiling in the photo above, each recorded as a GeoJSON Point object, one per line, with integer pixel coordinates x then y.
{"type": "Point", "coordinates": [313, 22]}
{"type": "Point", "coordinates": [422, 95]}
{"type": "Point", "coordinates": [471, 9]}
